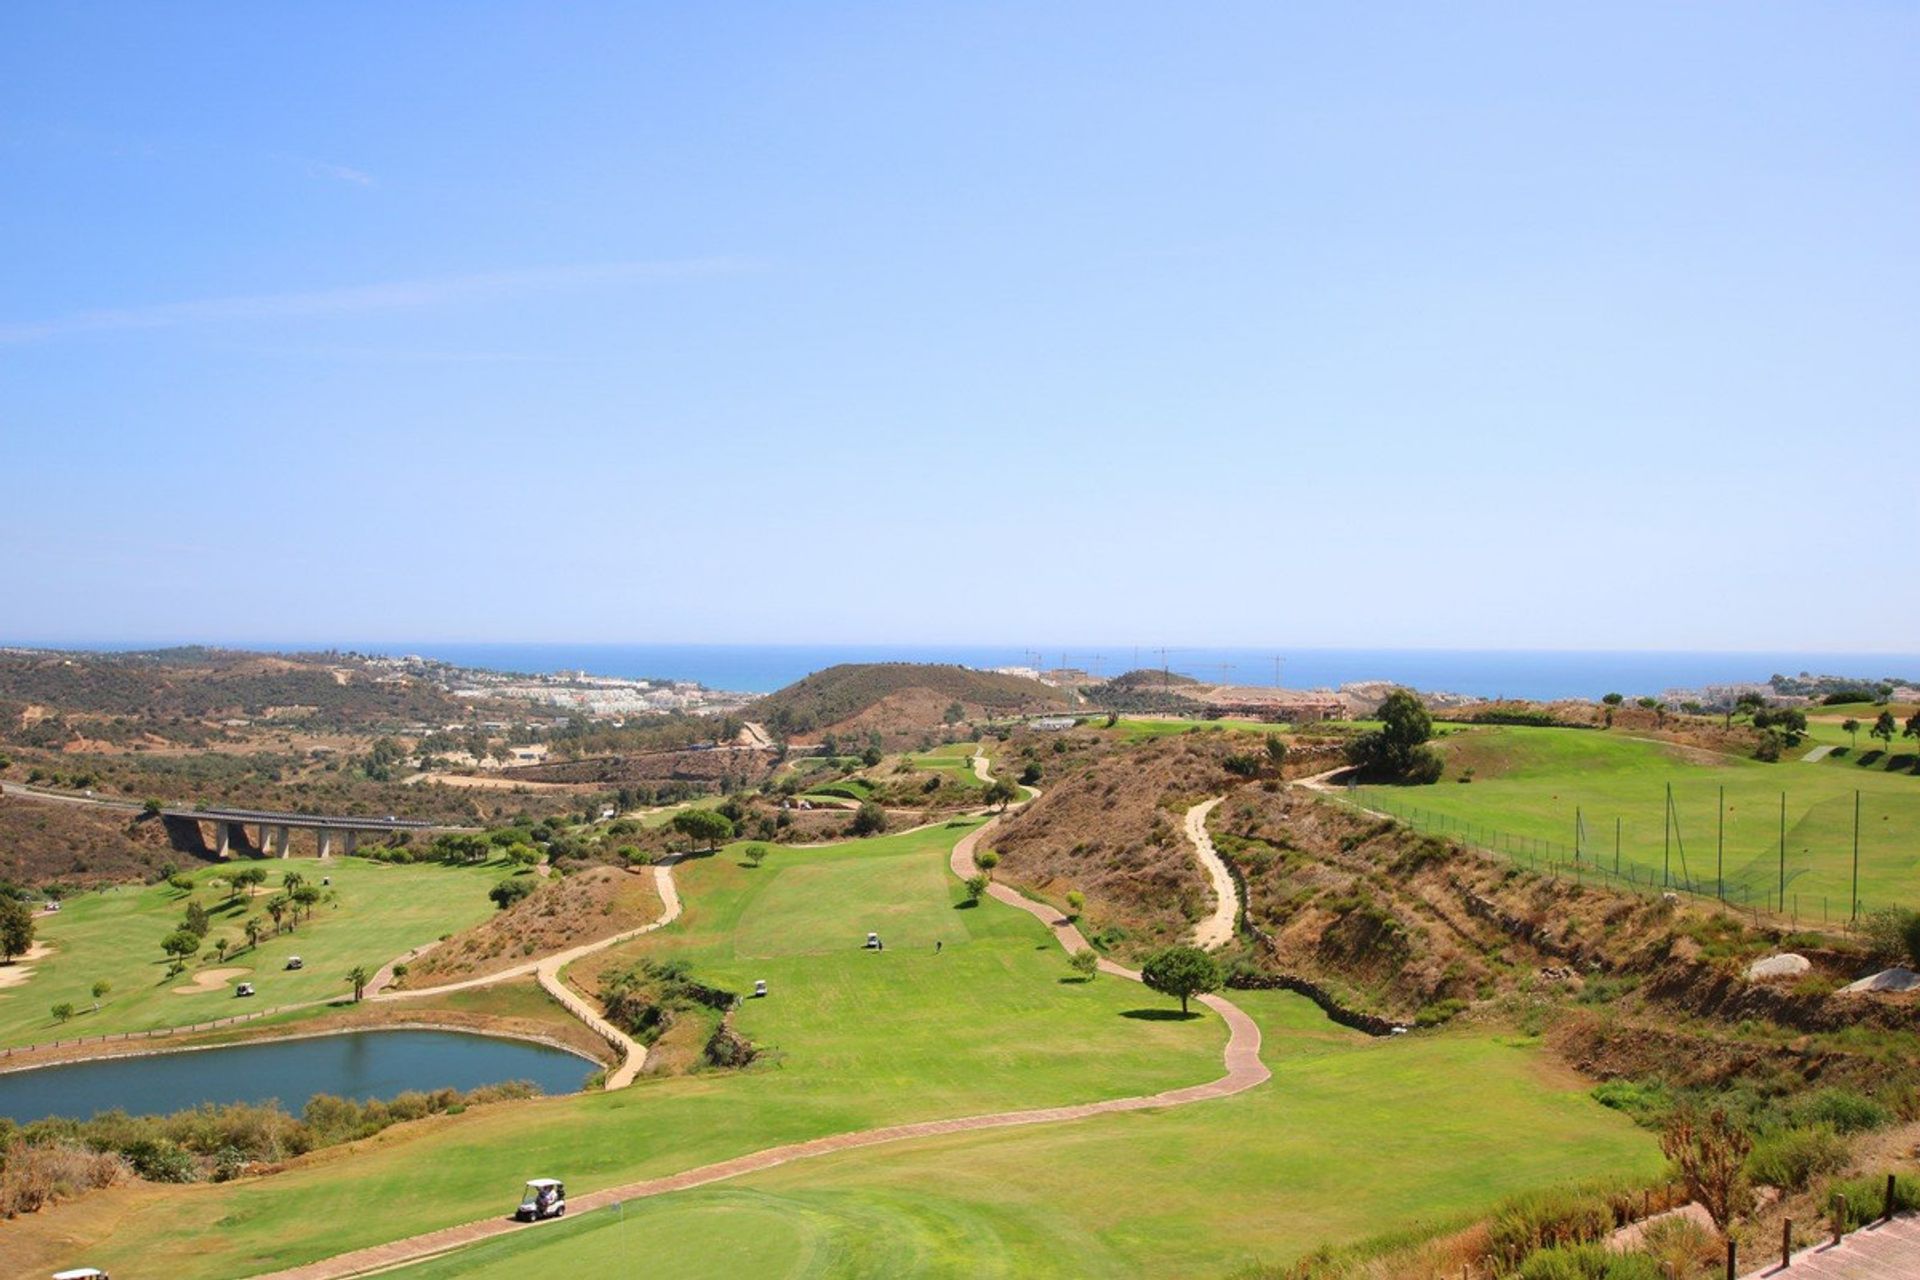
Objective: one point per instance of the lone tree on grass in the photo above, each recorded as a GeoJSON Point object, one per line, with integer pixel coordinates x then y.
{"type": "Point", "coordinates": [359, 977]}
{"type": "Point", "coordinates": [703, 826]}
{"type": "Point", "coordinates": [1002, 793]}
{"type": "Point", "coordinates": [16, 928]}
{"type": "Point", "coordinates": [1883, 728]}
{"type": "Point", "coordinates": [986, 860]}
{"type": "Point", "coordinates": [1397, 750]}
{"type": "Point", "coordinates": [181, 944]}
{"type": "Point", "coordinates": [250, 879]}
{"type": "Point", "coordinates": [869, 820]}
{"type": "Point", "coordinates": [1181, 972]}
{"type": "Point", "coordinates": [62, 1011]}
{"type": "Point", "coordinates": [756, 854]}
{"type": "Point", "coordinates": [976, 889]}
{"type": "Point", "coordinates": [1851, 728]}
{"type": "Point", "coordinates": [1085, 962]}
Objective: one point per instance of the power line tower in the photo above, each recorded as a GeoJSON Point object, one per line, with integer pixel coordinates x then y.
{"type": "Point", "coordinates": [1277, 660]}
{"type": "Point", "coordinates": [1166, 670]}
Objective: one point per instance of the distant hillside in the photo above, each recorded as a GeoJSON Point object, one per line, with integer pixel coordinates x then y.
{"type": "Point", "coordinates": [47, 697]}
{"type": "Point", "coordinates": [896, 698]}
{"type": "Point", "coordinates": [1150, 678]}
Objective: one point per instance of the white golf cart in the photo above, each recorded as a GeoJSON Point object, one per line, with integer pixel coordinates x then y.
{"type": "Point", "coordinates": [244, 989]}
{"type": "Point", "coordinates": [543, 1198]}
{"type": "Point", "coordinates": [82, 1273]}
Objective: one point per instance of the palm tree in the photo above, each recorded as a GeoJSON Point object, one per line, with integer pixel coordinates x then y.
{"type": "Point", "coordinates": [359, 977]}
{"type": "Point", "coordinates": [254, 929]}
{"type": "Point", "coordinates": [1851, 728]}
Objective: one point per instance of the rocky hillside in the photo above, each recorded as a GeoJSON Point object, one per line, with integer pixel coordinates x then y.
{"type": "Point", "coordinates": [896, 700]}
{"type": "Point", "coordinates": [585, 907]}
{"type": "Point", "coordinates": [1108, 823]}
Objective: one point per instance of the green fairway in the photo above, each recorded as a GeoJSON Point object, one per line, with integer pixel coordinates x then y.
{"type": "Point", "coordinates": [1137, 728]}
{"type": "Point", "coordinates": [1534, 789]}
{"type": "Point", "coordinates": [1354, 1138]}
{"type": "Point", "coordinates": [953, 761]}
{"type": "Point", "coordinates": [856, 1038]}
{"type": "Point", "coordinates": [114, 935]}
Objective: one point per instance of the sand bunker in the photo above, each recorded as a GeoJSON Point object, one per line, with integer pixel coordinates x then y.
{"type": "Point", "coordinates": [209, 980]}
{"type": "Point", "coordinates": [15, 974]}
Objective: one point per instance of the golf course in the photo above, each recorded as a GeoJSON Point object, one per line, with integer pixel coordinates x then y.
{"type": "Point", "coordinates": [371, 912]}
{"type": "Point", "coordinates": [969, 1009]}
{"type": "Point", "coordinates": [1532, 792]}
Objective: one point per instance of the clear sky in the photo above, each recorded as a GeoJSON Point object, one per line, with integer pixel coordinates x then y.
{"type": "Point", "coordinates": [1294, 324]}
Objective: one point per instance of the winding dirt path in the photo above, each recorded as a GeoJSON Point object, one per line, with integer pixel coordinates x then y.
{"type": "Point", "coordinates": [1244, 1070]}
{"type": "Point", "coordinates": [546, 970]}
{"type": "Point", "coordinates": [1217, 929]}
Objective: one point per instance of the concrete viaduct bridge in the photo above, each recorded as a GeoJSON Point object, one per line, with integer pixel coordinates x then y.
{"type": "Point", "coordinates": [276, 829]}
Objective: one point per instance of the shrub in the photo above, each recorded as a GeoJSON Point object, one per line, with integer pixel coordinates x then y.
{"type": "Point", "coordinates": [1537, 1220]}
{"type": "Point", "coordinates": [1842, 1110]}
{"type": "Point", "coordinates": [1588, 1262]}
{"type": "Point", "coordinates": [869, 820]}
{"type": "Point", "coordinates": [33, 1177]}
{"type": "Point", "coordinates": [1647, 1101]}
{"type": "Point", "coordinates": [1867, 1197]}
{"type": "Point", "coordinates": [1085, 962]}
{"type": "Point", "coordinates": [161, 1160]}
{"type": "Point", "coordinates": [510, 891]}
{"type": "Point", "coordinates": [1792, 1158]}
{"type": "Point", "coordinates": [1432, 1015]}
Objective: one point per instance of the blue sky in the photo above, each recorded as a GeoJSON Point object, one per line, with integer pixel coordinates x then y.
{"type": "Point", "coordinates": [1470, 325]}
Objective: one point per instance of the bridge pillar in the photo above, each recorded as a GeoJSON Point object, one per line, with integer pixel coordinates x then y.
{"type": "Point", "coordinates": [286, 843]}
{"type": "Point", "coordinates": [353, 841]}
{"type": "Point", "coordinates": [326, 842]}
{"type": "Point", "coordinates": [223, 838]}
{"type": "Point", "coordinates": [266, 841]}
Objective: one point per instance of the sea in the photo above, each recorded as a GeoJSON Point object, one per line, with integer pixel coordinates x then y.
{"type": "Point", "coordinates": [1533, 674]}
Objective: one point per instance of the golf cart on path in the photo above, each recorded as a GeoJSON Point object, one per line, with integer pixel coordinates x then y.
{"type": "Point", "coordinates": [543, 1198]}
{"type": "Point", "coordinates": [82, 1273]}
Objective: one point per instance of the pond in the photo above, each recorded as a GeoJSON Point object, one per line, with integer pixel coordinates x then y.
{"type": "Point", "coordinates": [349, 1064]}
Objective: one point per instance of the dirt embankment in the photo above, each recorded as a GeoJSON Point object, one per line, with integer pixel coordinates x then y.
{"type": "Point", "coordinates": [46, 842]}
{"type": "Point", "coordinates": [1109, 825]}
{"type": "Point", "coordinates": [585, 907]}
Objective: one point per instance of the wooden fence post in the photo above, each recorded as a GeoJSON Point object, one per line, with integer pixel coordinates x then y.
{"type": "Point", "coordinates": [1786, 1244]}
{"type": "Point", "coordinates": [1889, 1204]}
{"type": "Point", "coordinates": [1839, 1217]}
{"type": "Point", "coordinates": [1733, 1253]}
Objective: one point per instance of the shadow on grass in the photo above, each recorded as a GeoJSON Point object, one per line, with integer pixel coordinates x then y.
{"type": "Point", "coordinates": [966, 904]}
{"type": "Point", "coordinates": [1159, 1015]}
{"type": "Point", "coordinates": [1076, 980]}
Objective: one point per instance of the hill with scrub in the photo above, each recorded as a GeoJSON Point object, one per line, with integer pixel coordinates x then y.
{"type": "Point", "coordinates": [897, 700]}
